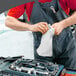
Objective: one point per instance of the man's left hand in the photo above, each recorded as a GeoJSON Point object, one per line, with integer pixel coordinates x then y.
{"type": "Point", "coordinates": [58, 27]}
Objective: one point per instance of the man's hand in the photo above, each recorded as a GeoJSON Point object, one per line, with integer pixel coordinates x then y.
{"type": "Point", "coordinates": [64, 23]}
{"type": "Point", "coordinates": [58, 27]}
{"type": "Point", "coordinates": [39, 27]}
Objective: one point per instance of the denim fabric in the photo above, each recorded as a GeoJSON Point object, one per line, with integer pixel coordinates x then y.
{"type": "Point", "coordinates": [64, 49]}
{"type": "Point", "coordinates": [37, 40]}
{"type": "Point", "coordinates": [45, 47]}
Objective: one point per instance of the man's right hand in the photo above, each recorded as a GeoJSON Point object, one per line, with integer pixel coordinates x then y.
{"type": "Point", "coordinates": [13, 23]}
{"type": "Point", "coordinates": [39, 27]}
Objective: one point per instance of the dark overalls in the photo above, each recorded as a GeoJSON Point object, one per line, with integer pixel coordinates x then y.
{"type": "Point", "coordinates": [63, 44]}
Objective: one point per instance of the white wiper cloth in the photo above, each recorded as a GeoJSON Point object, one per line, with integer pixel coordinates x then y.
{"type": "Point", "coordinates": [45, 47]}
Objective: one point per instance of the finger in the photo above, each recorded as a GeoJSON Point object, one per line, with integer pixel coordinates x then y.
{"type": "Point", "coordinates": [42, 29]}
{"type": "Point", "coordinates": [39, 30]}
{"type": "Point", "coordinates": [53, 26]}
{"type": "Point", "coordinates": [45, 24]}
{"type": "Point", "coordinates": [45, 28]}
{"type": "Point", "coordinates": [56, 33]}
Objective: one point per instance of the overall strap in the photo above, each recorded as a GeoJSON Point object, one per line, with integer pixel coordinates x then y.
{"type": "Point", "coordinates": [32, 0]}
{"type": "Point", "coordinates": [36, 0]}
{"type": "Point", "coordinates": [62, 11]}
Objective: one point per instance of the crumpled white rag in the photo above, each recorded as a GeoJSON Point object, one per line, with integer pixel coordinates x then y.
{"type": "Point", "coordinates": [45, 47]}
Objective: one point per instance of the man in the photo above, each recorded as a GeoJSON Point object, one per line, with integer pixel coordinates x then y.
{"type": "Point", "coordinates": [12, 22]}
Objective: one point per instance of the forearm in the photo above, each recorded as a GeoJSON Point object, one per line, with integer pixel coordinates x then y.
{"type": "Point", "coordinates": [13, 23]}
{"type": "Point", "coordinates": [16, 25]}
{"type": "Point", "coordinates": [69, 21]}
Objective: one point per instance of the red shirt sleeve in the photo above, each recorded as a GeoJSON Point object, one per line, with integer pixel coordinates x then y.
{"type": "Point", "coordinates": [64, 6]}
{"type": "Point", "coordinates": [16, 11]}
{"type": "Point", "coordinates": [71, 4]}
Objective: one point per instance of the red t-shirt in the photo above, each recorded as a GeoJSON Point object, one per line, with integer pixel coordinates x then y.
{"type": "Point", "coordinates": [19, 10]}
